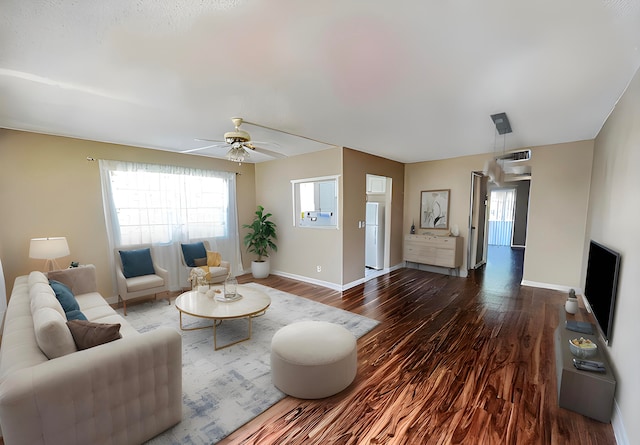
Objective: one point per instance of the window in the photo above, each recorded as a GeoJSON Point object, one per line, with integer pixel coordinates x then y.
{"type": "Point", "coordinates": [315, 202]}
{"type": "Point", "coordinates": [501, 215]}
{"type": "Point", "coordinates": [151, 206]}
{"type": "Point", "coordinates": [165, 206]}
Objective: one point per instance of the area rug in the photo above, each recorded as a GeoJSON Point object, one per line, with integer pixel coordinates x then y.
{"type": "Point", "coordinates": [224, 389]}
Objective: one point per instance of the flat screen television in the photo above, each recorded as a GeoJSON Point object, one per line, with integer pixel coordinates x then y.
{"type": "Point", "coordinates": [601, 286]}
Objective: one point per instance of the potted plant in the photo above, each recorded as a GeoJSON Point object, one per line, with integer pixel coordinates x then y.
{"type": "Point", "coordinates": [259, 240]}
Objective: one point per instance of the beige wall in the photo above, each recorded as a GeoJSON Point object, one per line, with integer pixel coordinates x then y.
{"type": "Point", "coordinates": [48, 188]}
{"type": "Point", "coordinates": [557, 207]}
{"type": "Point", "coordinates": [300, 250]}
{"type": "Point", "coordinates": [558, 201]}
{"type": "Point", "coordinates": [356, 167]}
{"type": "Point", "coordinates": [339, 252]}
{"type": "Point", "coordinates": [614, 220]}
{"type": "Point", "coordinates": [453, 174]}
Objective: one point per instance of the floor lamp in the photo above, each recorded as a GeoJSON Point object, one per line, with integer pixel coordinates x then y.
{"type": "Point", "coordinates": [49, 249]}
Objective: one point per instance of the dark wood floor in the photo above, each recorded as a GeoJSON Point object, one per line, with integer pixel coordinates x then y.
{"type": "Point", "coordinates": [454, 361]}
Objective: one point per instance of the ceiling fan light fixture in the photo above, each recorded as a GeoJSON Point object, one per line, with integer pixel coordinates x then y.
{"type": "Point", "coordinates": [237, 153]}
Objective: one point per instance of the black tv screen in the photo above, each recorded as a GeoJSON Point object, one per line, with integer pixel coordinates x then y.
{"type": "Point", "coordinates": [601, 286]}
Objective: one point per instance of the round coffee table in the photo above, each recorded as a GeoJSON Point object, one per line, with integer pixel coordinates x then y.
{"type": "Point", "coordinates": [252, 304]}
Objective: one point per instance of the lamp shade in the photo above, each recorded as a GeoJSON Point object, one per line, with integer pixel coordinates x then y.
{"type": "Point", "coordinates": [48, 248]}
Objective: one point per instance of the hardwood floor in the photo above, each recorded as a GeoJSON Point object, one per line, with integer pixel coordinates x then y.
{"type": "Point", "coordinates": [454, 360]}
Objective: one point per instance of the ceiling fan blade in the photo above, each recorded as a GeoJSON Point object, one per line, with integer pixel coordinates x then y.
{"type": "Point", "coordinates": [209, 140]}
{"type": "Point", "coordinates": [264, 151]}
{"type": "Point", "coordinates": [217, 144]}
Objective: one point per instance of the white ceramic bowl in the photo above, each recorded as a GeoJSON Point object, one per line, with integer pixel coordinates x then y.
{"type": "Point", "coordinates": [583, 351]}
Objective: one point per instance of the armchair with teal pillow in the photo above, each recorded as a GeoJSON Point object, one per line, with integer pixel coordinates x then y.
{"type": "Point", "coordinates": [199, 254]}
{"type": "Point", "coordinates": [138, 275]}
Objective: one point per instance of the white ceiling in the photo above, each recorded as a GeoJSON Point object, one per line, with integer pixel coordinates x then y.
{"type": "Point", "coordinates": [406, 80]}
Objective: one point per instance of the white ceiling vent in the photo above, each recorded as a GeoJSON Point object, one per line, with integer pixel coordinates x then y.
{"type": "Point", "coordinates": [514, 156]}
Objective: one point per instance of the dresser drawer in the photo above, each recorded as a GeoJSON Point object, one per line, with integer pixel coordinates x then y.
{"type": "Point", "coordinates": [433, 250]}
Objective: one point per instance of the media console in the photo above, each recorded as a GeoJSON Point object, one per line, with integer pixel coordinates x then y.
{"type": "Point", "coordinates": [586, 392]}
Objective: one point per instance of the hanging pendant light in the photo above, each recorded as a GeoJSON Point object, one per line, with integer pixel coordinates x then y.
{"type": "Point", "coordinates": [493, 168]}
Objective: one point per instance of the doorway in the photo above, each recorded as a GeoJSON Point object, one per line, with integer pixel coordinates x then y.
{"type": "Point", "coordinates": [498, 226]}
{"type": "Point", "coordinates": [377, 225]}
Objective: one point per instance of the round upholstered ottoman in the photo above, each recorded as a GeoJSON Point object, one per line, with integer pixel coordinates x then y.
{"type": "Point", "coordinates": [313, 359]}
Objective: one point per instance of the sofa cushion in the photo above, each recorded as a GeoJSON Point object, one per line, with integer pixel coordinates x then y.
{"type": "Point", "coordinates": [64, 296]}
{"type": "Point", "coordinates": [98, 312]}
{"type": "Point", "coordinates": [41, 297]}
{"type": "Point", "coordinates": [126, 330]}
{"type": "Point", "coordinates": [36, 288]}
{"type": "Point", "coordinates": [52, 334]}
{"type": "Point", "coordinates": [80, 279]}
{"type": "Point", "coordinates": [37, 277]}
{"type": "Point", "coordinates": [192, 251]}
{"type": "Point", "coordinates": [136, 263]}
{"type": "Point", "coordinates": [87, 334]}
{"type": "Point", "coordinates": [75, 315]}
{"type": "Point", "coordinates": [200, 262]}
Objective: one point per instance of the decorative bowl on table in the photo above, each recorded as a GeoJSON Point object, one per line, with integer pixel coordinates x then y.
{"type": "Point", "coordinates": [583, 347]}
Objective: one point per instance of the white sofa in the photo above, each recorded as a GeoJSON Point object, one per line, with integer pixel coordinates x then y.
{"type": "Point", "coordinates": [122, 392]}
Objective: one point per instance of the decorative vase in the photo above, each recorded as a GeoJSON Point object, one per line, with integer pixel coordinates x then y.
{"type": "Point", "coordinates": [571, 306]}
{"type": "Point", "coordinates": [230, 288]}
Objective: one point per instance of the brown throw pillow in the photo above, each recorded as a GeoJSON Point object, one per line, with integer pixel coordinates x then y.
{"type": "Point", "coordinates": [87, 334]}
{"type": "Point", "coordinates": [200, 262]}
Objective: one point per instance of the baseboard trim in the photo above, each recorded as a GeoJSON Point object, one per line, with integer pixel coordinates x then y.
{"type": "Point", "coordinates": [334, 286]}
{"type": "Point", "coordinates": [559, 287]}
{"type": "Point", "coordinates": [618, 425]}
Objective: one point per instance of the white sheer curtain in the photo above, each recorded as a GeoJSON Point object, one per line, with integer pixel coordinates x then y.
{"type": "Point", "coordinates": [167, 205]}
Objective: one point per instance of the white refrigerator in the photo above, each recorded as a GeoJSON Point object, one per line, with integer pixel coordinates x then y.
{"type": "Point", "coordinates": [374, 239]}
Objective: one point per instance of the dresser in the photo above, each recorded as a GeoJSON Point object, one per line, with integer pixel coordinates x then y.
{"type": "Point", "coordinates": [442, 251]}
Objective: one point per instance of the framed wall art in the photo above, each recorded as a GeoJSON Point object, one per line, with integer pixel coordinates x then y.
{"type": "Point", "coordinates": [434, 209]}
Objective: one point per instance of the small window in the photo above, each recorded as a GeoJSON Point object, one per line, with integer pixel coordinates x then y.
{"type": "Point", "coordinates": [315, 202]}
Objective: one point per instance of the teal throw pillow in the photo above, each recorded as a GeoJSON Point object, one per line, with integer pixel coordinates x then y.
{"type": "Point", "coordinates": [136, 263]}
{"type": "Point", "coordinates": [75, 315]}
{"type": "Point", "coordinates": [193, 251]}
{"type": "Point", "coordinates": [65, 296]}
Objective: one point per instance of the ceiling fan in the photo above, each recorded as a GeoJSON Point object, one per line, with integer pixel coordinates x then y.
{"type": "Point", "coordinates": [239, 144]}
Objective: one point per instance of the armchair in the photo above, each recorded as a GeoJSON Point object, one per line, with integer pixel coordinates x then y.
{"type": "Point", "coordinates": [199, 254]}
{"type": "Point", "coordinates": [138, 275]}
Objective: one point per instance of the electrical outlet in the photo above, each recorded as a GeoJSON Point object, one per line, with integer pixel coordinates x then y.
{"type": "Point", "coordinates": [319, 268]}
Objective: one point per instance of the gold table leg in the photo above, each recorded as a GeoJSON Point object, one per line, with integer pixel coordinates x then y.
{"type": "Point", "coordinates": [215, 338]}
{"type": "Point", "coordinates": [216, 323]}
{"type": "Point", "coordinates": [191, 329]}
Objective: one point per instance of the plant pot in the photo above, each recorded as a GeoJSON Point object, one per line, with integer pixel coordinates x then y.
{"type": "Point", "coordinates": [260, 269]}
{"type": "Point", "coordinates": [571, 306]}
